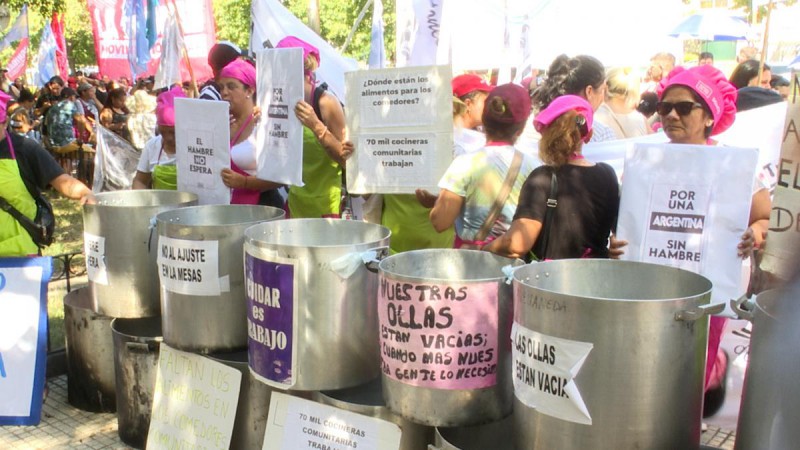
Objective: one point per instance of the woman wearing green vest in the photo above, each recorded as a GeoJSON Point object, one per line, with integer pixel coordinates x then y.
{"type": "Point", "coordinates": [25, 169]}
{"type": "Point", "coordinates": [157, 167]}
{"type": "Point", "coordinates": [323, 135]}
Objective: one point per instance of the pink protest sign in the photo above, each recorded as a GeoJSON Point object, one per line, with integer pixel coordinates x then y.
{"type": "Point", "coordinates": [441, 336]}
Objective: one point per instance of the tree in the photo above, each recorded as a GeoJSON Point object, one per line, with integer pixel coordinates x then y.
{"type": "Point", "coordinates": [233, 21]}
{"type": "Point", "coordinates": [78, 34]}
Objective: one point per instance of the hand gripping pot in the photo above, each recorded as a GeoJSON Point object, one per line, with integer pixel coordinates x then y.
{"type": "Point", "coordinates": [445, 318]}
{"type": "Point", "coordinates": [609, 355]}
{"type": "Point", "coordinates": [311, 318]}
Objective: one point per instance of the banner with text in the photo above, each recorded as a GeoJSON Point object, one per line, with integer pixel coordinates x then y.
{"type": "Point", "coordinates": [111, 41]}
{"type": "Point", "coordinates": [194, 402]}
{"type": "Point", "coordinates": [23, 338]}
{"type": "Point", "coordinates": [294, 424]}
{"type": "Point", "coordinates": [202, 149]}
{"type": "Point", "coordinates": [782, 245]}
{"type": "Point", "coordinates": [687, 206]}
{"type": "Point", "coordinates": [279, 137]}
{"type": "Point", "coordinates": [400, 121]}
{"type": "Point", "coordinates": [440, 336]}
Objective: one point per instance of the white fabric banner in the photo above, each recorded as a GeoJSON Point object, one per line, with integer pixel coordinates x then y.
{"type": "Point", "coordinates": [202, 148]}
{"type": "Point", "coordinates": [687, 206]}
{"type": "Point", "coordinates": [417, 31]}
{"type": "Point", "coordinates": [613, 152]}
{"type": "Point", "coordinates": [279, 133]}
{"type": "Point", "coordinates": [273, 22]}
{"type": "Point", "coordinates": [401, 123]}
{"type": "Point", "coordinates": [169, 67]}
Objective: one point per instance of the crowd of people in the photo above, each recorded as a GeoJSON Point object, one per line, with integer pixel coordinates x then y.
{"type": "Point", "coordinates": [497, 195]}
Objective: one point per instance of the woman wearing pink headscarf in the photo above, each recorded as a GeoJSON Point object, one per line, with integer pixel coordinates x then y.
{"type": "Point", "coordinates": [156, 167]}
{"type": "Point", "coordinates": [323, 135]}
{"type": "Point", "coordinates": [695, 104]}
{"type": "Point", "coordinates": [237, 83]}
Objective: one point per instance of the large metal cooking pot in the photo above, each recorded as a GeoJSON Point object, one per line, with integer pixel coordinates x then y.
{"type": "Point", "coordinates": [609, 355]}
{"type": "Point", "coordinates": [203, 304]}
{"type": "Point", "coordinates": [90, 354]}
{"type": "Point", "coordinates": [445, 319]}
{"type": "Point", "coordinates": [120, 249]}
{"type": "Point", "coordinates": [136, 347]}
{"type": "Point", "coordinates": [311, 309]}
{"type": "Point", "coordinates": [495, 435]}
{"type": "Point", "coordinates": [769, 415]}
{"type": "Point", "coordinates": [368, 400]}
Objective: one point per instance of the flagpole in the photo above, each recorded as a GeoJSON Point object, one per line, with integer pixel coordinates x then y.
{"type": "Point", "coordinates": [195, 92]}
{"type": "Point", "coordinates": [764, 46]}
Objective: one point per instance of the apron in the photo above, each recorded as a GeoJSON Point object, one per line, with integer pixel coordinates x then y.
{"type": "Point", "coordinates": [14, 240]}
{"type": "Point", "coordinates": [165, 176]}
{"type": "Point", "coordinates": [241, 196]}
{"type": "Point", "coordinates": [322, 194]}
{"type": "Point", "coordinates": [411, 225]}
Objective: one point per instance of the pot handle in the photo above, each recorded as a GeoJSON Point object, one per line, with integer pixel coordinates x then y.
{"type": "Point", "coordinates": [697, 313]}
{"type": "Point", "coordinates": [346, 265]}
{"type": "Point", "coordinates": [380, 254]}
{"type": "Point", "coordinates": [743, 308]}
{"type": "Point", "coordinates": [142, 347]}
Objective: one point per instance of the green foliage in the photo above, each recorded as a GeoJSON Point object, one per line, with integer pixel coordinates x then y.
{"type": "Point", "coordinates": [78, 33]}
{"type": "Point", "coordinates": [233, 21]}
{"type": "Point", "coordinates": [747, 7]}
{"type": "Point", "coordinates": [44, 8]}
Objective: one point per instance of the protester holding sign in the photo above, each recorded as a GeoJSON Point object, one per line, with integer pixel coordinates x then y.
{"type": "Point", "coordinates": [586, 194]}
{"type": "Point", "coordinates": [157, 164]}
{"type": "Point", "coordinates": [695, 104]}
{"type": "Point", "coordinates": [238, 87]}
{"type": "Point", "coordinates": [323, 134]}
{"type": "Point", "coordinates": [480, 191]}
{"type": "Point", "coordinates": [583, 76]}
{"type": "Point", "coordinates": [25, 169]}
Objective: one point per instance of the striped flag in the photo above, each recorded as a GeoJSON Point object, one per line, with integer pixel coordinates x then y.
{"type": "Point", "coordinates": [18, 31]}
{"type": "Point", "coordinates": [57, 26]}
{"type": "Point", "coordinates": [19, 61]}
{"type": "Point", "coordinates": [377, 52]}
{"type": "Point", "coordinates": [48, 66]}
{"type": "Point", "coordinates": [136, 29]}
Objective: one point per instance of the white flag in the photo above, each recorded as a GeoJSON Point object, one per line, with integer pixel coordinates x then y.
{"type": "Point", "coordinates": [169, 68]}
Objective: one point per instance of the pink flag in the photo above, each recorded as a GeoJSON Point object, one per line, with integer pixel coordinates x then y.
{"type": "Point", "coordinates": [57, 24]}
{"type": "Point", "coordinates": [19, 61]}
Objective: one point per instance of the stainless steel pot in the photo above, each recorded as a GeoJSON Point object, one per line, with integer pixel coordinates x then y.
{"type": "Point", "coordinates": [90, 354]}
{"type": "Point", "coordinates": [609, 355]}
{"type": "Point", "coordinates": [769, 414]}
{"type": "Point", "coordinates": [368, 400]}
{"type": "Point", "coordinates": [445, 318]}
{"type": "Point", "coordinates": [209, 315]}
{"type": "Point", "coordinates": [118, 237]}
{"type": "Point", "coordinates": [311, 327]}
{"type": "Point", "coordinates": [136, 346]}
{"type": "Point", "coordinates": [495, 435]}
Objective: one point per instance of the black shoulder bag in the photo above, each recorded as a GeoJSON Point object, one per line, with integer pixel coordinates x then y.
{"type": "Point", "coordinates": [552, 202]}
{"type": "Point", "coordinates": [42, 227]}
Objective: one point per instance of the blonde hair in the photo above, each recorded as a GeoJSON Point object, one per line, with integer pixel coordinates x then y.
{"type": "Point", "coordinates": [622, 82]}
{"type": "Point", "coordinates": [310, 65]}
{"type": "Point", "coordinates": [459, 107]}
{"type": "Point", "coordinates": [560, 140]}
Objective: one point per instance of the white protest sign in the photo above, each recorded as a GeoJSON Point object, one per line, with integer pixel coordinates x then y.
{"type": "Point", "coordinates": [544, 370]}
{"type": "Point", "coordinates": [202, 149]}
{"type": "Point", "coordinates": [279, 136]}
{"type": "Point", "coordinates": [687, 206]}
{"type": "Point", "coordinates": [95, 249]}
{"type": "Point", "coordinates": [189, 267]}
{"type": "Point", "coordinates": [784, 223]}
{"type": "Point", "coordinates": [294, 423]}
{"type": "Point", "coordinates": [401, 123]}
{"type": "Point", "coordinates": [194, 402]}
{"type": "Point", "coordinates": [23, 338]}
{"type": "Point", "coordinates": [613, 152]}
{"type": "Point", "coordinates": [760, 128]}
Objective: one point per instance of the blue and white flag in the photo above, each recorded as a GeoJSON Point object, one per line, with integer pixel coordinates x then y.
{"type": "Point", "coordinates": [136, 30]}
{"type": "Point", "coordinates": [377, 52]}
{"type": "Point", "coordinates": [48, 67]}
{"type": "Point", "coordinates": [18, 31]}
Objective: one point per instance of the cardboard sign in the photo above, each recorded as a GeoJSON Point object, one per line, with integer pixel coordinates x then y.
{"type": "Point", "coordinates": [189, 267]}
{"type": "Point", "coordinates": [279, 135]}
{"type": "Point", "coordinates": [23, 338]}
{"type": "Point", "coordinates": [687, 206]}
{"type": "Point", "coordinates": [784, 222]}
{"type": "Point", "coordinates": [294, 423]}
{"type": "Point", "coordinates": [441, 336]}
{"type": "Point", "coordinates": [270, 288]}
{"type": "Point", "coordinates": [194, 402]}
{"type": "Point", "coordinates": [544, 369]}
{"type": "Point", "coordinates": [401, 123]}
{"type": "Point", "coordinates": [202, 149]}
{"type": "Point", "coordinates": [95, 249]}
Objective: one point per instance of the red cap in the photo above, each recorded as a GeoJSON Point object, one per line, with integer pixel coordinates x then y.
{"type": "Point", "coordinates": [464, 84]}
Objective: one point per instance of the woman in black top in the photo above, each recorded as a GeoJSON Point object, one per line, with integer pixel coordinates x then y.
{"type": "Point", "coordinates": [587, 194]}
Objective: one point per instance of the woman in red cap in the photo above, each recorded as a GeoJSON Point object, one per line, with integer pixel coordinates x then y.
{"type": "Point", "coordinates": [576, 225]}
{"type": "Point", "coordinates": [480, 190]}
{"type": "Point", "coordinates": [469, 94]}
{"type": "Point", "coordinates": [695, 104]}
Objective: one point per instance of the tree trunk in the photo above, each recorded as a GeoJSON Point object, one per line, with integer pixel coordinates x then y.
{"type": "Point", "coordinates": [313, 15]}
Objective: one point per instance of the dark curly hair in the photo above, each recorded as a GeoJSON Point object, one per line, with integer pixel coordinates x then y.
{"type": "Point", "coordinates": [569, 76]}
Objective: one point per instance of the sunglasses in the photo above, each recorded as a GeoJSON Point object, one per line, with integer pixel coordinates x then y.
{"type": "Point", "coordinates": [682, 108]}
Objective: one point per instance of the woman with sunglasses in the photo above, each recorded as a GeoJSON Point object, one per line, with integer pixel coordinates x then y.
{"type": "Point", "coordinates": [582, 219]}
{"type": "Point", "coordinates": [695, 104]}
